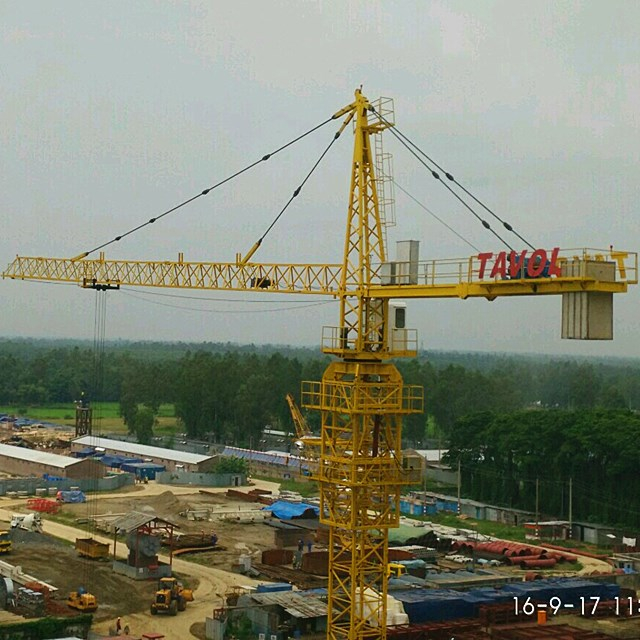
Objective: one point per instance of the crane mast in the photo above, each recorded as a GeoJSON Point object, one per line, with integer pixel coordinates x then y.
{"type": "Point", "coordinates": [361, 399]}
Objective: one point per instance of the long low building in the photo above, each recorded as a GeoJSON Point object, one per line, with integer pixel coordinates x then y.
{"type": "Point", "coordinates": [20, 461]}
{"type": "Point", "coordinates": [171, 460]}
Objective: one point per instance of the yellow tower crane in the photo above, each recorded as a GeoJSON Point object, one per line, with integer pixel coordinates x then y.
{"type": "Point", "coordinates": [361, 397]}
{"type": "Point", "coordinates": [305, 439]}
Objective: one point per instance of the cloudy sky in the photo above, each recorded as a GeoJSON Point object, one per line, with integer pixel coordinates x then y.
{"type": "Point", "coordinates": [112, 112]}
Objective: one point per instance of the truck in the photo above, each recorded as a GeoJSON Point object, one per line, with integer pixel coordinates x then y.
{"type": "Point", "coordinates": [5, 542]}
{"type": "Point", "coordinates": [28, 522]}
{"type": "Point", "coordinates": [90, 548]}
{"type": "Point", "coordinates": [170, 597]}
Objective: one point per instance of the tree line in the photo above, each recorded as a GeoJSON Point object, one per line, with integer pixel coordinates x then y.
{"type": "Point", "coordinates": [230, 395]}
{"type": "Point", "coordinates": [544, 460]}
{"type": "Point", "coordinates": [513, 422]}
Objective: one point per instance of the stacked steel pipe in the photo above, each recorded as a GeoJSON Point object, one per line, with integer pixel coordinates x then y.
{"type": "Point", "coordinates": [516, 553]}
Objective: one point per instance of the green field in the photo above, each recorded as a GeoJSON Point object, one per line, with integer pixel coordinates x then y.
{"type": "Point", "coordinates": [105, 416]}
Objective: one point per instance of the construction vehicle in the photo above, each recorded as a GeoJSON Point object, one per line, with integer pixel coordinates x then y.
{"type": "Point", "coordinates": [170, 597]}
{"type": "Point", "coordinates": [396, 570]}
{"type": "Point", "coordinates": [305, 439]}
{"type": "Point", "coordinates": [5, 542]}
{"type": "Point", "coordinates": [90, 548]}
{"type": "Point", "coordinates": [81, 600]}
{"type": "Point", "coordinates": [362, 398]}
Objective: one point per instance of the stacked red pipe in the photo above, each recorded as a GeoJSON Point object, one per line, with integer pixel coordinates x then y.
{"type": "Point", "coordinates": [516, 553]}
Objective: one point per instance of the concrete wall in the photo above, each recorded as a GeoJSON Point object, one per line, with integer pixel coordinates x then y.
{"type": "Point", "coordinates": [442, 475]}
{"type": "Point", "coordinates": [201, 479]}
{"type": "Point", "coordinates": [107, 483]}
{"type": "Point", "coordinates": [162, 570]}
{"type": "Point", "coordinates": [215, 629]}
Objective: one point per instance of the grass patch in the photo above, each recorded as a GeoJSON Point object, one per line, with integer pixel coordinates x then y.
{"type": "Point", "coordinates": [305, 489]}
{"type": "Point", "coordinates": [484, 527]}
{"type": "Point", "coordinates": [106, 416]}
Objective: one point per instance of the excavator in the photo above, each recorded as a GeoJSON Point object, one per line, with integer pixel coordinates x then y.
{"type": "Point", "coordinates": [170, 597]}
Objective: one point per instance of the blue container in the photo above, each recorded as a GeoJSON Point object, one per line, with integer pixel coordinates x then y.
{"type": "Point", "coordinates": [274, 587]}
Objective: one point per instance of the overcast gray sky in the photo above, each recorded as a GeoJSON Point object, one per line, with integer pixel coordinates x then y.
{"type": "Point", "coordinates": [111, 112]}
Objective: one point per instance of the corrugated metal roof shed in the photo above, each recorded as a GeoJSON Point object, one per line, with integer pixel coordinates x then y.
{"type": "Point", "coordinates": [297, 604]}
{"type": "Point", "coordinates": [41, 457]}
{"type": "Point", "coordinates": [136, 519]}
{"type": "Point", "coordinates": [143, 450]}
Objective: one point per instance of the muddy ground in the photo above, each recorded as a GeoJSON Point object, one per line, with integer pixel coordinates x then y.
{"type": "Point", "coordinates": [56, 562]}
{"type": "Point", "coordinates": [234, 538]}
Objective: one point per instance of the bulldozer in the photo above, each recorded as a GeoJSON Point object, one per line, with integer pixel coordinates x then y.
{"type": "Point", "coordinates": [82, 601]}
{"type": "Point", "coordinates": [170, 597]}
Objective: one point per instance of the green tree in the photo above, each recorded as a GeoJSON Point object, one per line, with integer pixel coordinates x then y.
{"type": "Point", "coordinates": [30, 393]}
{"type": "Point", "coordinates": [143, 424]}
{"type": "Point", "coordinates": [128, 408]}
{"type": "Point", "coordinates": [231, 465]}
{"type": "Point", "coordinates": [611, 398]}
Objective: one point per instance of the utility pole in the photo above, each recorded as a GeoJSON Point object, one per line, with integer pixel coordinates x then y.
{"type": "Point", "coordinates": [571, 507]}
{"type": "Point", "coordinates": [537, 508]}
{"type": "Point", "coordinates": [424, 489]}
{"type": "Point", "coordinates": [459, 485]}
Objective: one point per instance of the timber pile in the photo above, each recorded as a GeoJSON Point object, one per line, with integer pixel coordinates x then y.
{"type": "Point", "coordinates": [193, 541]}
{"type": "Point", "coordinates": [292, 576]}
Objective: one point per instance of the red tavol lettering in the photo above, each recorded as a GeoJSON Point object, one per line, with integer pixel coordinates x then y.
{"type": "Point", "coordinates": [537, 263]}
{"type": "Point", "coordinates": [515, 263]}
{"type": "Point", "coordinates": [500, 265]}
{"type": "Point", "coordinates": [554, 267]}
{"type": "Point", "coordinates": [484, 258]}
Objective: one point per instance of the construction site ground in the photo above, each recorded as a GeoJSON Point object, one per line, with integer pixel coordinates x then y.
{"type": "Point", "coordinates": [51, 557]}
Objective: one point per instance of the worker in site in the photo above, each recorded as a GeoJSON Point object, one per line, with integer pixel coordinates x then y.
{"type": "Point", "coordinates": [118, 625]}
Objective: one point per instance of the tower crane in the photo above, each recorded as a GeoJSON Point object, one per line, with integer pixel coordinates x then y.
{"type": "Point", "coordinates": [362, 397]}
{"type": "Point", "coordinates": [304, 436]}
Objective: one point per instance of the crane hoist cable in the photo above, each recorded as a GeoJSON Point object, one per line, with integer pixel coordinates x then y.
{"type": "Point", "coordinates": [407, 141]}
{"type": "Point", "coordinates": [302, 303]}
{"type": "Point", "coordinates": [96, 386]}
{"type": "Point", "coordinates": [431, 213]}
{"type": "Point", "coordinates": [226, 311]}
{"type": "Point", "coordinates": [204, 192]}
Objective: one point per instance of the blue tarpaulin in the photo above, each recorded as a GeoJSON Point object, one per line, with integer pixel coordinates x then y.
{"type": "Point", "coordinates": [85, 453]}
{"type": "Point", "coordinates": [115, 461]}
{"type": "Point", "coordinates": [142, 470]}
{"type": "Point", "coordinates": [71, 496]}
{"type": "Point", "coordinates": [286, 510]}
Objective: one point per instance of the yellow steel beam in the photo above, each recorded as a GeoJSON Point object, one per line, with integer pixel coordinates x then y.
{"type": "Point", "coordinates": [319, 279]}
{"type": "Point", "coordinates": [275, 278]}
{"type": "Point", "coordinates": [498, 288]}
